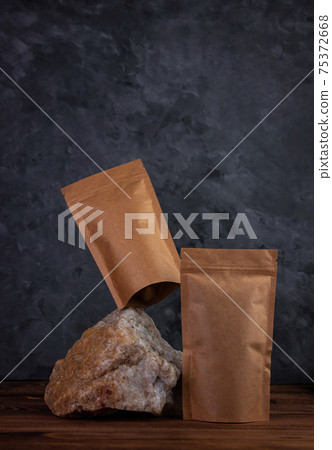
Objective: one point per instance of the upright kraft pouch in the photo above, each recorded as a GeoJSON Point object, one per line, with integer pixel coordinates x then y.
{"type": "Point", "coordinates": [227, 300]}
{"type": "Point", "coordinates": [151, 271]}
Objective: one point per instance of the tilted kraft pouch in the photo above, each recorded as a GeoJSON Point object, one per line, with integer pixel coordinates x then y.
{"type": "Point", "coordinates": [133, 225]}
{"type": "Point", "coordinates": [227, 302]}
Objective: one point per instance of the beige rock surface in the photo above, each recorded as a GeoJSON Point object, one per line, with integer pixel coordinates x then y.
{"type": "Point", "coordinates": [121, 363]}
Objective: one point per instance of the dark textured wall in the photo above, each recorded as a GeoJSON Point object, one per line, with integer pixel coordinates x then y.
{"type": "Point", "coordinates": [177, 84]}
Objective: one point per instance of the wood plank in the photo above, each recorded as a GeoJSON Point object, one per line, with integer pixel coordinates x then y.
{"type": "Point", "coordinates": [26, 422]}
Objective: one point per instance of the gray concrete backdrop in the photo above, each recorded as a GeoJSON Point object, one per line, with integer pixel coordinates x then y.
{"type": "Point", "coordinates": [177, 84]}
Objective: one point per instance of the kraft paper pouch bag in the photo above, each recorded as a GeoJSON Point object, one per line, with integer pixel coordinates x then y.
{"type": "Point", "coordinates": [226, 356]}
{"type": "Point", "coordinates": [152, 270]}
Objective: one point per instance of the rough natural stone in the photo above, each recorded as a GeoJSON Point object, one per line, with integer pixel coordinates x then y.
{"type": "Point", "coordinates": [121, 363]}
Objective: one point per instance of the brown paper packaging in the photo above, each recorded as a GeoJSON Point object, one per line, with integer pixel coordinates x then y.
{"type": "Point", "coordinates": [227, 355]}
{"type": "Point", "coordinates": [151, 271]}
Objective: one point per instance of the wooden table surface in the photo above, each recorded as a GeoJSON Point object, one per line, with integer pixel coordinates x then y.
{"type": "Point", "coordinates": [26, 422]}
